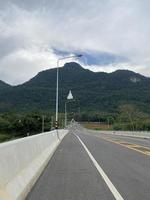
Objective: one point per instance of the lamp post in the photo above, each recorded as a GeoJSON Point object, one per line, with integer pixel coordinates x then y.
{"type": "Point", "coordinates": [69, 97]}
{"type": "Point", "coordinates": [57, 85]}
{"type": "Point", "coordinates": [65, 113]}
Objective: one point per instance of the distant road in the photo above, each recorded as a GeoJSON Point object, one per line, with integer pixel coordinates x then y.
{"type": "Point", "coordinates": [89, 166]}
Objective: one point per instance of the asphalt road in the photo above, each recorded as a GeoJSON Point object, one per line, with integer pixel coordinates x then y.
{"type": "Point", "coordinates": [73, 173]}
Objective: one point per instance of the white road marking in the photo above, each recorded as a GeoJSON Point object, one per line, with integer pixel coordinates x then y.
{"type": "Point", "coordinates": [110, 185]}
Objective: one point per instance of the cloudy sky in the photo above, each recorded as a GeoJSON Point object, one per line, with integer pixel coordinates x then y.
{"type": "Point", "coordinates": [112, 34]}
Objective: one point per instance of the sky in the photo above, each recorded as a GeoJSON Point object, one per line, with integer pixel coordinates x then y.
{"type": "Point", "coordinates": [111, 35]}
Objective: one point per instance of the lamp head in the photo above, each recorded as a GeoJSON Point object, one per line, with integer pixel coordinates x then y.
{"type": "Point", "coordinates": [79, 55]}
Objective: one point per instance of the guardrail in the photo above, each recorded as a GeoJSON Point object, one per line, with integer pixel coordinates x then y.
{"type": "Point", "coordinates": [141, 134]}
{"type": "Point", "coordinates": [23, 160]}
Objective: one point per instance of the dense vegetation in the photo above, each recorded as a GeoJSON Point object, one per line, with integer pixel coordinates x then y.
{"type": "Point", "coordinates": [92, 92]}
{"type": "Point", "coordinates": [128, 117]}
{"type": "Point", "coordinates": [121, 99]}
{"type": "Point", "coordinates": [21, 125]}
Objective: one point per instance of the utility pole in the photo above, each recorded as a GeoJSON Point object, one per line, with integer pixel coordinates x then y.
{"type": "Point", "coordinates": [43, 123]}
{"type": "Point", "coordinates": [62, 123]}
{"type": "Point", "coordinates": [65, 113]}
{"type": "Point", "coordinates": [108, 122]}
{"type": "Point", "coordinates": [57, 85]}
{"type": "Point", "coordinates": [51, 122]}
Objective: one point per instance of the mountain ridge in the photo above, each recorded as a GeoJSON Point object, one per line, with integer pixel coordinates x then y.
{"type": "Point", "coordinates": [4, 84]}
{"type": "Point", "coordinates": [93, 91]}
{"type": "Point", "coordinates": [68, 66]}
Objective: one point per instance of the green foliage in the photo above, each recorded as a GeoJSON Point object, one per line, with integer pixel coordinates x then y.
{"type": "Point", "coordinates": [95, 117]}
{"type": "Point", "coordinates": [93, 92]}
{"type": "Point", "coordinates": [4, 124]}
{"type": "Point", "coordinates": [20, 125]}
{"type": "Point", "coordinates": [130, 118]}
{"type": "Point", "coordinates": [97, 97]}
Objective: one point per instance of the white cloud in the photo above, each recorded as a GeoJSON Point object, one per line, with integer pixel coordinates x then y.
{"type": "Point", "coordinates": [29, 30]}
{"type": "Point", "coordinates": [24, 64]}
{"type": "Point", "coordinates": [113, 67]}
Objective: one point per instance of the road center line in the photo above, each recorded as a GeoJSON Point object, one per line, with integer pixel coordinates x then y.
{"type": "Point", "coordinates": [131, 146]}
{"type": "Point", "coordinates": [110, 185]}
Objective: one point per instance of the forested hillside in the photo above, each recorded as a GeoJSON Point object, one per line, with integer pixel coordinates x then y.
{"type": "Point", "coordinates": [101, 92]}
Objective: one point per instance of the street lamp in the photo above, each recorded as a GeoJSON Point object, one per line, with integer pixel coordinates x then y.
{"type": "Point", "coordinates": [65, 113]}
{"type": "Point", "coordinates": [57, 84]}
{"type": "Point", "coordinates": [69, 97]}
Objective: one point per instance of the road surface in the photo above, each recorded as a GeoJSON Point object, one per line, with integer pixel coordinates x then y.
{"type": "Point", "coordinates": [94, 166]}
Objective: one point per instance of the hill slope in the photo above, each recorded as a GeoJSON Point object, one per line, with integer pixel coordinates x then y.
{"type": "Point", "coordinates": [92, 91]}
{"type": "Point", "coordinates": [4, 85]}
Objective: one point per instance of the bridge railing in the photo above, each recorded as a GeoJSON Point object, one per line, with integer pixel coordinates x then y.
{"type": "Point", "coordinates": [23, 160]}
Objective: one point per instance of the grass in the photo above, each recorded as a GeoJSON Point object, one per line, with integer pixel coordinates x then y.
{"type": "Point", "coordinates": [97, 126]}
{"type": "Point", "coordinates": [4, 137]}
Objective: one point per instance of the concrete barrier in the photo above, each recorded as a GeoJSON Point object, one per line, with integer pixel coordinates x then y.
{"type": "Point", "coordinates": [23, 160]}
{"type": "Point", "coordinates": [138, 134]}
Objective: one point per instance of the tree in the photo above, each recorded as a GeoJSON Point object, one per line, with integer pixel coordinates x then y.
{"type": "Point", "coordinates": [130, 118]}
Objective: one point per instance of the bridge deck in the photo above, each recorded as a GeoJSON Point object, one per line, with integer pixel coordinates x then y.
{"type": "Point", "coordinates": [70, 175]}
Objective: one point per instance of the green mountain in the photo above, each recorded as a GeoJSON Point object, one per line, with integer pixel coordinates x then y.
{"type": "Point", "coordinates": [3, 85]}
{"type": "Point", "coordinates": [92, 91]}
